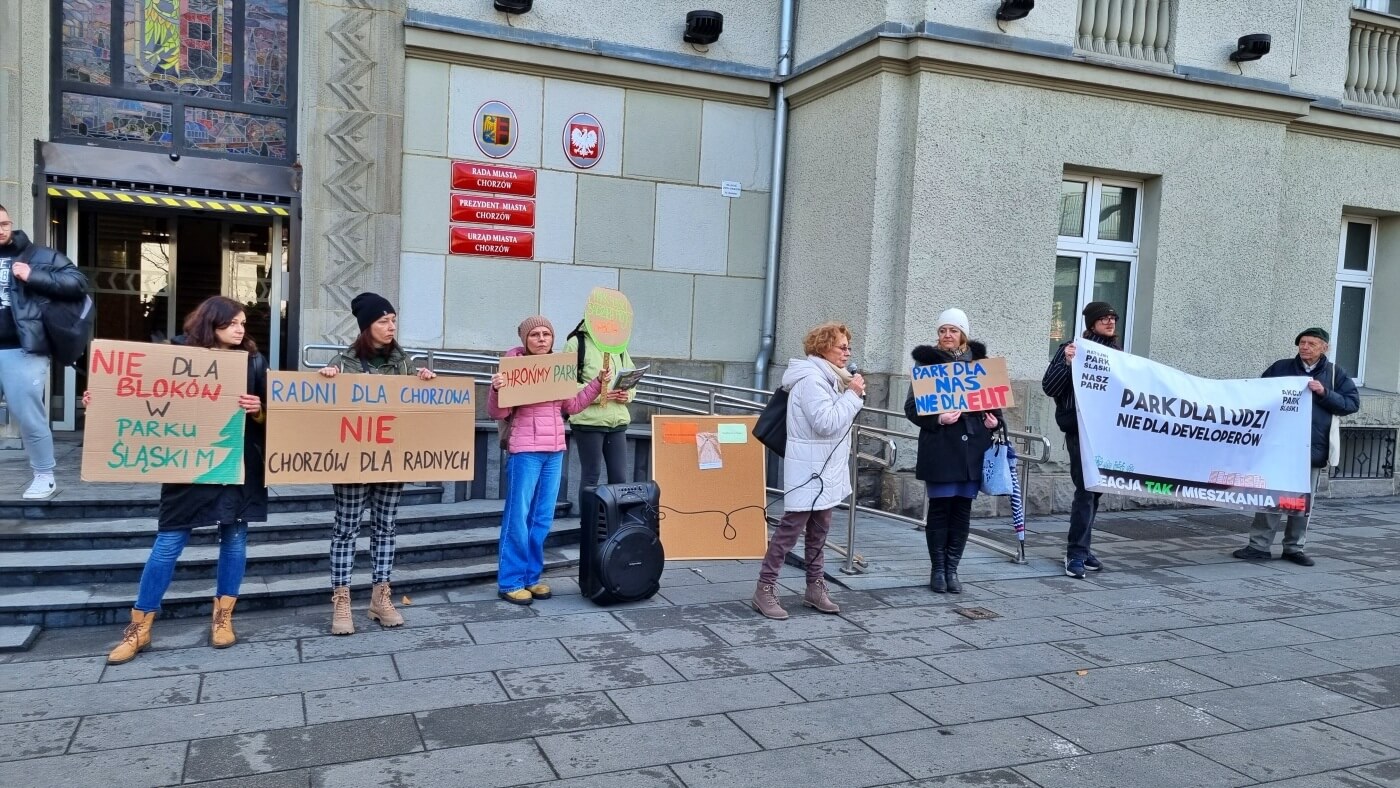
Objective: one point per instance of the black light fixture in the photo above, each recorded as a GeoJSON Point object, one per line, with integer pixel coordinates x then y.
{"type": "Point", "coordinates": [703, 27]}
{"type": "Point", "coordinates": [1011, 10]}
{"type": "Point", "coordinates": [1251, 47]}
{"type": "Point", "coordinates": [514, 6]}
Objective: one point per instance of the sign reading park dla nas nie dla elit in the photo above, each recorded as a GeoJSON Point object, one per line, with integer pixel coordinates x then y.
{"type": "Point", "coordinates": [368, 428]}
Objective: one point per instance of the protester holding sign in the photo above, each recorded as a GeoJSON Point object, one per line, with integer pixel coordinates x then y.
{"type": "Point", "coordinates": [535, 445]}
{"type": "Point", "coordinates": [218, 324]}
{"type": "Point", "coordinates": [1333, 395]}
{"type": "Point", "coordinates": [600, 430]}
{"type": "Point", "coordinates": [951, 447]}
{"type": "Point", "coordinates": [1101, 320]}
{"type": "Point", "coordinates": [375, 352]}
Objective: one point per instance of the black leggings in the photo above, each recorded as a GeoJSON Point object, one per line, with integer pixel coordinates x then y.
{"type": "Point", "coordinates": [596, 449]}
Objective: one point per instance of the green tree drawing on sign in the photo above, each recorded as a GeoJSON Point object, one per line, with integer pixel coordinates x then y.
{"type": "Point", "coordinates": [231, 438]}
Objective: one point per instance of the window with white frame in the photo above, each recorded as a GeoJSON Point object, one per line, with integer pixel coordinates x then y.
{"type": "Point", "coordinates": [1351, 315]}
{"type": "Point", "coordinates": [1380, 6]}
{"type": "Point", "coordinates": [1096, 256]}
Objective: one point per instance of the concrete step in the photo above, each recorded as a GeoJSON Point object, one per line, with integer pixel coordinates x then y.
{"type": "Point", "coordinates": [116, 501]}
{"type": "Point", "coordinates": [110, 603]}
{"type": "Point", "coordinates": [137, 532]}
{"type": "Point", "coordinates": [46, 568]}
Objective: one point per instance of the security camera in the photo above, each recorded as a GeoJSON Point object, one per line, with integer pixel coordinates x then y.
{"type": "Point", "coordinates": [1251, 47]}
{"type": "Point", "coordinates": [174, 156]}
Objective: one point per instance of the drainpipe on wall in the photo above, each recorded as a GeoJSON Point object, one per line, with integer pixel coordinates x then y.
{"type": "Point", "coordinates": [1297, 34]}
{"type": "Point", "coordinates": [768, 337]}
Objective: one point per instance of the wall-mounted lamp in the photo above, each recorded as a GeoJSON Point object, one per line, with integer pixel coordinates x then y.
{"type": "Point", "coordinates": [1014, 9]}
{"type": "Point", "coordinates": [514, 6]}
{"type": "Point", "coordinates": [1251, 47]}
{"type": "Point", "coordinates": [703, 27]}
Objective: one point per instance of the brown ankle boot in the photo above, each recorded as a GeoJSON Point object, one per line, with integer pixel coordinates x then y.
{"type": "Point", "coordinates": [816, 597]}
{"type": "Point", "coordinates": [765, 601]}
{"type": "Point", "coordinates": [381, 607]}
{"type": "Point", "coordinates": [221, 631]}
{"type": "Point", "coordinates": [341, 621]}
{"type": "Point", "coordinates": [135, 638]}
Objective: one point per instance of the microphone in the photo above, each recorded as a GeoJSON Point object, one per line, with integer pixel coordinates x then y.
{"type": "Point", "coordinates": [852, 367]}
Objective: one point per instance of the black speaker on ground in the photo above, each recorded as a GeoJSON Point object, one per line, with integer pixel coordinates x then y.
{"type": "Point", "coordinates": [620, 555]}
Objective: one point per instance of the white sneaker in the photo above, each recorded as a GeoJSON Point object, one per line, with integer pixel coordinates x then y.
{"type": "Point", "coordinates": [41, 488]}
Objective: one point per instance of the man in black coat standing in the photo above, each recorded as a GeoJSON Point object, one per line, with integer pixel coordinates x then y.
{"type": "Point", "coordinates": [1334, 395]}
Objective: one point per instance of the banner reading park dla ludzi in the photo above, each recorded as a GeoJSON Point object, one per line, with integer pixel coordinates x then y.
{"type": "Point", "coordinates": [1149, 431]}
{"type": "Point", "coordinates": [164, 413]}
{"type": "Point", "coordinates": [961, 385]}
{"type": "Point", "coordinates": [368, 428]}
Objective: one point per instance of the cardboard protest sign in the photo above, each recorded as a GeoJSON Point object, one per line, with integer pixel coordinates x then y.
{"type": "Point", "coordinates": [368, 428]}
{"type": "Point", "coordinates": [712, 491]}
{"type": "Point", "coordinates": [164, 413]}
{"type": "Point", "coordinates": [531, 379]}
{"type": "Point", "coordinates": [608, 315]}
{"type": "Point", "coordinates": [962, 385]}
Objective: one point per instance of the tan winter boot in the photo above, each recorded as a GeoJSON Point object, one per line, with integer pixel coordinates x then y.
{"type": "Point", "coordinates": [381, 607]}
{"type": "Point", "coordinates": [135, 638]}
{"type": "Point", "coordinates": [816, 597]}
{"type": "Point", "coordinates": [341, 621]}
{"type": "Point", "coordinates": [221, 631]}
{"type": "Point", "coordinates": [765, 601]}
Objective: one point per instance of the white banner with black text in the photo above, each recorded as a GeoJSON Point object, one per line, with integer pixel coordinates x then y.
{"type": "Point", "coordinates": [1149, 431]}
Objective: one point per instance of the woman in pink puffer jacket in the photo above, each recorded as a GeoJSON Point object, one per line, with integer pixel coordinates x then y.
{"type": "Point", "coordinates": [535, 463]}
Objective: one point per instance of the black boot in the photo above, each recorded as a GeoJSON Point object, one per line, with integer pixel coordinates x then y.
{"type": "Point", "coordinates": [957, 540]}
{"type": "Point", "coordinates": [937, 557]}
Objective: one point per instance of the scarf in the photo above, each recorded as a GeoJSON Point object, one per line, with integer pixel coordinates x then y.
{"type": "Point", "coordinates": [843, 376]}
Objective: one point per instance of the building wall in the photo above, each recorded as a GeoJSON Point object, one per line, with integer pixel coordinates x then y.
{"type": "Point", "coordinates": [24, 103]}
{"type": "Point", "coordinates": [648, 218]}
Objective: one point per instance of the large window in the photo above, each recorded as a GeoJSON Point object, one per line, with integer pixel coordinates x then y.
{"type": "Point", "coordinates": [1096, 257]}
{"type": "Point", "coordinates": [198, 76]}
{"type": "Point", "coordinates": [1381, 6]}
{"type": "Point", "coordinates": [1351, 316]}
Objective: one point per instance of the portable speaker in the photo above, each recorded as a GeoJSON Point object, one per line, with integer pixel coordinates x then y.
{"type": "Point", "coordinates": [620, 555]}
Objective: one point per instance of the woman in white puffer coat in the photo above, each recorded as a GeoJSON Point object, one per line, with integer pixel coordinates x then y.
{"type": "Point", "coordinates": [823, 400]}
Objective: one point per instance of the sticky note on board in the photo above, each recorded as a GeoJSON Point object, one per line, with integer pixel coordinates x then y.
{"type": "Point", "coordinates": [678, 432]}
{"type": "Point", "coordinates": [733, 433]}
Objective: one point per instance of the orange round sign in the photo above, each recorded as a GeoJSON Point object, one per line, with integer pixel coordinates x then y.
{"type": "Point", "coordinates": [608, 314]}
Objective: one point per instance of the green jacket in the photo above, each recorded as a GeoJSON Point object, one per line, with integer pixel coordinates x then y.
{"type": "Point", "coordinates": [600, 415]}
{"type": "Point", "coordinates": [396, 363]}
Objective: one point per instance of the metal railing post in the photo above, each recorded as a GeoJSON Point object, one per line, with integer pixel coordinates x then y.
{"type": "Point", "coordinates": [850, 566]}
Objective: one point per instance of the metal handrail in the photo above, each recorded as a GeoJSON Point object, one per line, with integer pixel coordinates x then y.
{"type": "Point", "coordinates": [699, 397]}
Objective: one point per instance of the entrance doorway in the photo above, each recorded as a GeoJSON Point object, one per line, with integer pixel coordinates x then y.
{"type": "Point", "coordinates": [150, 267]}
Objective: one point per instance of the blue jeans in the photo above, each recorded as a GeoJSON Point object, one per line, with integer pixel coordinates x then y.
{"type": "Point", "coordinates": [24, 378]}
{"type": "Point", "coordinates": [532, 491]}
{"type": "Point", "coordinates": [160, 567]}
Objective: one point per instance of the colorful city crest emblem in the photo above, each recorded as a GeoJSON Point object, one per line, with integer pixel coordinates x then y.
{"type": "Point", "coordinates": [496, 129]}
{"type": "Point", "coordinates": [583, 140]}
{"type": "Point", "coordinates": [182, 42]}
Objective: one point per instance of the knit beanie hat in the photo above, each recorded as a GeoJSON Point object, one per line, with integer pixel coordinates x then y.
{"type": "Point", "coordinates": [1320, 333]}
{"type": "Point", "coordinates": [369, 307]}
{"type": "Point", "coordinates": [531, 323]}
{"type": "Point", "coordinates": [1095, 311]}
{"type": "Point", "coordinates": [955, 317]}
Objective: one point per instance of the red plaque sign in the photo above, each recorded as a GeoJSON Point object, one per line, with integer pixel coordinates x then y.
{"type": "Point", "coordinates": [491, 242]}
{"type": "Point", "coordinates": [493, 210]}
{"type": "Point", "coordinates": [493, 178]}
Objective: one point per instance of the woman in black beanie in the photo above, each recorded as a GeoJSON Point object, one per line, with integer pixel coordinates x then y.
{"type": "Point", "coordinates": [374, 352]}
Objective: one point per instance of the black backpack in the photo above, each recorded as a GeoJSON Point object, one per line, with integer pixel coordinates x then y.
{"type": "Point", "coordinates": [67, 324]}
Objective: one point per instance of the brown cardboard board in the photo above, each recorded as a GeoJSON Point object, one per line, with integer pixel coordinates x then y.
{"type": "Point", "coordinates": [962, 385]}
{"type": "Point", "coordinates": [531, 379]}
{"type": "Point", "coordinates": [737, 488]}
{"type": "Point", "coordinates": [164, 413]}
{"type": "Point", "coordinates": [368, 428]}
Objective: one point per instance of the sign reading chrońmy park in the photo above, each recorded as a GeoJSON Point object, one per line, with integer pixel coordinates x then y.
{"type": "Point", "coordinates": [1149, 431]}
{"type": "Point", "coordinates": [531, 379]}
{"type": "Point", "coordinates": [368, 428]}
{"type": "Point", "coordinates": [164, 413]}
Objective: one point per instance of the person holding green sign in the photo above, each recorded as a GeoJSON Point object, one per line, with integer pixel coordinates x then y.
{"type": "Point", "coordinates": [218, 324]}
{"type": "Point", "coordinates": [600, 430]}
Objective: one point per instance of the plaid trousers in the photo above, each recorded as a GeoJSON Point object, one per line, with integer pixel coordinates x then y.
{"type": "Point", "coordinates": [350, 500]}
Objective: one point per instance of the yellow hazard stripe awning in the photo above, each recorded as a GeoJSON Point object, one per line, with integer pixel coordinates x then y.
{"type": "Point", "coordinates": [164, 201]}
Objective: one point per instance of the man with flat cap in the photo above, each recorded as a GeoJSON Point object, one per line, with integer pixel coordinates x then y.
{"type": "Point", "coordinates": [1334, 395]}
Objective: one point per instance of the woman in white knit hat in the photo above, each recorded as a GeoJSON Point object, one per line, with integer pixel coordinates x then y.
{"type": "Point", "coordinates": [951, 445]}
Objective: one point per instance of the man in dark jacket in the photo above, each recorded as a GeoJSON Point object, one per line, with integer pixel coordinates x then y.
{"type": "Point", "coordinates": [1101, 321]}
{"type": "Point", "coordinates": [30, 277]}
{"type": "Point", "coordinates": [1334, 395]}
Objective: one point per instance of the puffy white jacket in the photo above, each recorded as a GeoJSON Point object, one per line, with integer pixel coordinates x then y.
{"type": "Point", "coordinates": [818, 436]}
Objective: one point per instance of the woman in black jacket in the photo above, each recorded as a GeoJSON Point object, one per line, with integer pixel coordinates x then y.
{"type": "Point", "coordinates": [218, 324]}
{"type": "Point", "coordinates": [951, 446]}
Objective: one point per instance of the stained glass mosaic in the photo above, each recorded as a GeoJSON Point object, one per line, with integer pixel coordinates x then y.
{"type": "Point", "coordinates": [87, 41]}
{"type": "Point", "coordinates": [235, 132]}
{"type": "Point", "coordinates": [265, 52]}
{"type": "Point", "coordinates": [122, 120]}
{"type": "Point", "coordinates": [181, 46]}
